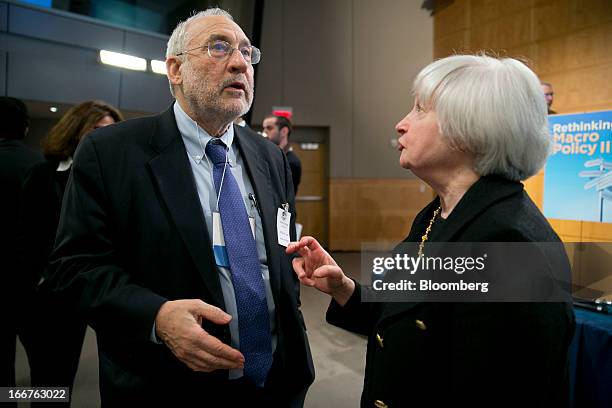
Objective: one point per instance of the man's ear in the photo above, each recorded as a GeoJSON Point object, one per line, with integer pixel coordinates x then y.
{"type": "Point", "coordinates": [284, 132]}
{"type": "Point", "coordinates": [173, 70]}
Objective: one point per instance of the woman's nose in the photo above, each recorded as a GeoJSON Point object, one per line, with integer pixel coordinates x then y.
{"type": "Point", "coordinates": [402, 126]}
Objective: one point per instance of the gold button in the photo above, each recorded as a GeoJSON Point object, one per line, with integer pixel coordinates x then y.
{"type": "Point", "coordinates": [420, 324]}
{"type": "Point", "coordinates": [379, 340]}
{"type": "Point", "coordinates": [380, 404]}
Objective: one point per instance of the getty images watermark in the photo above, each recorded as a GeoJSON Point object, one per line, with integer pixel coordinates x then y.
{"type": "Point", "coordinates": [412, 264]}
{"type": "Point", "coordinates": [467, 272]}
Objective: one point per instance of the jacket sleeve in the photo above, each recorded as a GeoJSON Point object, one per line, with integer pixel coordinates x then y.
{"type": "Point", "coordinates": [83, 266]}
{"type": "Point", "coordinates": [355, 316]}
{"type": "Point", "coordinates": [37, 223]}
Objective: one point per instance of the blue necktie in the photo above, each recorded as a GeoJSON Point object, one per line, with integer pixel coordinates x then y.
{"type": "Point", "coordinates": [249, 288]}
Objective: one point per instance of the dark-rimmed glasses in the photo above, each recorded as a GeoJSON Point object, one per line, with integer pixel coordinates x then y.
{"type": "Point", "coordinates": [221, 50]}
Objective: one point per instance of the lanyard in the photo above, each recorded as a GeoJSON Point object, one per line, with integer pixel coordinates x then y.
{"type": "Point", "coordinates": [212, 174]}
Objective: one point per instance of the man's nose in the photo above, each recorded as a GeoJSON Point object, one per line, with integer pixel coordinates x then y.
{"type": "Point", "coordinates": [237, 62]}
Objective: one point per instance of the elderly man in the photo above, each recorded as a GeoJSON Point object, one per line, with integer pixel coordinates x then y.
{"type": "Point", "coordinates": [172, 241]}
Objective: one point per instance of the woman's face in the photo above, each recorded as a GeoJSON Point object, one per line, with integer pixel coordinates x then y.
{"type": "Point", "coordinates": [105, 121]}
{"type": "Point", "coordinates": [420, 143]}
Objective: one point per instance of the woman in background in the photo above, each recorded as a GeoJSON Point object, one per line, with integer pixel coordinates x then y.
{"type": "Point", "coordinates": [478, 127]}
{"type": "Point", "coordinates": [56, 333]}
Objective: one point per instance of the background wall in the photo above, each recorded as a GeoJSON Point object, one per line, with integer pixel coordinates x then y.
{"type": "Point", "coordinates": [566, 42]}
{"type": "Point", "coordinates": [349, 65]}
{"type": "Point", "coordinates": [52, 56]}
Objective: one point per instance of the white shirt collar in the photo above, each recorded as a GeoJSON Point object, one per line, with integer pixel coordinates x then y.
{"type": "Point", "coordinates": [64, 164]}
{"type": "Point", "coordinates": [191, 132]}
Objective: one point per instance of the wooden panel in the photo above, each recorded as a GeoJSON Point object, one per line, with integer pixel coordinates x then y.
{"type": "Point", "coordinates": [591, 85]}
{"type": "Point", "coordinates": [551, 19]}
{"type": "Point", "coordinates": [514, 29]}
{"type": "Point", "coordinates": [551, 56]}
{"type": "Point", "coordinates": [587, 46]}
{"type": "Point", "coordinates": [535, 188]}
{"type": "Point", "coordinates": [456, 43]}
{"type": "Point", "coordinates": [586, 13]}
{"type": "Point", "coordinates": [597, 231]}
{"type": "Point", "coordinates": [373, 210]}
{"type": "Point", "coordinates": [450, 19]}
{"type": "Point", "coordinates": [313, 215]}
{"type": "Point", "coordinates": [482, 11]}
{"type": "Point", "coordinates": [567, 227]}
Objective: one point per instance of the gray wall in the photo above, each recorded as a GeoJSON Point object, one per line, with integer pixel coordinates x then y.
{"type": "Point", "coordinates": [349, 65]}
{"type": "Point", "coordinates": [49, 55]}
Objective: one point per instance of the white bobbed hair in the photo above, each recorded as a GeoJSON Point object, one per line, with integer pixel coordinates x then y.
{"type": "Point", "coordinates": [177, 40]}
{"type": "Point", "coordinates": [492, 108]}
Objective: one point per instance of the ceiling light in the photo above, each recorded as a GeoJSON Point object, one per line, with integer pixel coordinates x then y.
{"type": "Point", "coordinates": [53, 109]}
{"type": "Point", "coordinates": [123, 60]}
{"type": "Point", "coordinates": [159, 67]}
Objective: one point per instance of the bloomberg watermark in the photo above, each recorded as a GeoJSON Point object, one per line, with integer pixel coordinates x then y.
{"type": "Point", "coordinates": [468, 272]}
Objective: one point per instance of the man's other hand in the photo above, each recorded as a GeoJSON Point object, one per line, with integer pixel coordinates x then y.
{"type": "Point", "coordinates": [179, 325]}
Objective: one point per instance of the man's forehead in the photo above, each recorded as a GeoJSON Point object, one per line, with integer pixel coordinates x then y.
{"type": "Point", "coordinates": [216, 26]}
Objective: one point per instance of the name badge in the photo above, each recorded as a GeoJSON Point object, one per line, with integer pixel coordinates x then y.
{"type": "Point", "coordinates": [219, 248]}
{"type": "Point", "coordinates": [283, 222]}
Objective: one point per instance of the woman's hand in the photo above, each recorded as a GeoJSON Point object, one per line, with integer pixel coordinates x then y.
{"type": "Point", "coordinates": [316, 268]}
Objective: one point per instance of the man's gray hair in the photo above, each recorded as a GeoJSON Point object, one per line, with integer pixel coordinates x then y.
{"type": "Point", "coordinates": [177, 43]}
{"type": "Point", "coordinates": [492, 108]}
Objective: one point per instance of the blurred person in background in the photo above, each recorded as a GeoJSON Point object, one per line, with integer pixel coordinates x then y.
{"type": "Point", "coordinates": [55, 334]}
{"type": "Point", "coordinates": [477, 129]}
{"type": "Point", "coordinates": [278, 129]}
{"type": "Point", "coordinates": [16, 288]}
{"type": "Point", "coordinates": [549, 95]}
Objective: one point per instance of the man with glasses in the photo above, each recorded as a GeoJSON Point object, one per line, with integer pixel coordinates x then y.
{"type": "Point", "coordinates": [172, 241]}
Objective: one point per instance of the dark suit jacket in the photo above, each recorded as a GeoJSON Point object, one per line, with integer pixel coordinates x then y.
{"type": "Point", "coordinates": [39, 214]}
{"type": "Point", "coordinates": [470, 354]}
{"type": "Point", "coordinates": [296, 169]}
{"type": "Point", "coordinates": [132, 235]}
{"type": "Point", "coordinates": [16, 162]}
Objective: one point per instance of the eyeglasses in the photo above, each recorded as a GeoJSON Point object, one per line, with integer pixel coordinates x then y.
{"type": "Point", "coordinates": [221, 50]}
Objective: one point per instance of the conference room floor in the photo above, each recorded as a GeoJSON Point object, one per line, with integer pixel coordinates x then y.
{"type": "Point", "coordinates": [339, 356]}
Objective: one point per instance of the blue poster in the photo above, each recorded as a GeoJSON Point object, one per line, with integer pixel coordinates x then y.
{"type": "Point", "coordinates": [578, 174]}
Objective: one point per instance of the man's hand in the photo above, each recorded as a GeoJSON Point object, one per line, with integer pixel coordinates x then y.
{"type": "Point", "coordinates": [179, 325]}
{"type": "Point", "coordinates": [316, 268]}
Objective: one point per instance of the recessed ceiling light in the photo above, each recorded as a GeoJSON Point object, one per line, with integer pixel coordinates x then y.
{"type": "Point", "coordinates": [159, 67]}
{"type": "Point", "coordinates": [123, 60]}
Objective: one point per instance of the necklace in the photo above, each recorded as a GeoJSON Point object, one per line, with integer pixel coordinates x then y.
{"type": "Point", "coordinates": [427, 231]}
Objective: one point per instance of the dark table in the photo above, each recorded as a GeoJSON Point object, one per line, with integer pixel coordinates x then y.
{"type": "Point", "coordinates": [590, 362]}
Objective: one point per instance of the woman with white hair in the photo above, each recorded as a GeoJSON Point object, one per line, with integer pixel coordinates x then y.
{"type": "Point", "coordinates": [478, 127]}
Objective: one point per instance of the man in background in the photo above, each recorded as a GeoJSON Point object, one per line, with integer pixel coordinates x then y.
{"type": "Point", "coordinates": [17, 289]}
{"type": "Point", "coordinates": [278, 130]}
{"type": "Point", "coordinates": [548, 95]}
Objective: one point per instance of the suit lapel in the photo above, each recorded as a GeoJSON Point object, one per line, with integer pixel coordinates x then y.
{"type": "Point", "coordinates": [259, 173]}
{"type": "Point", "coordinates": [485, 192]}
{"type": "Point", "coordinates": [174, 178]}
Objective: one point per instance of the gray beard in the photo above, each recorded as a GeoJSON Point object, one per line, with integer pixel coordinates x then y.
{"type": "Point", "coordinates": [206, 106]}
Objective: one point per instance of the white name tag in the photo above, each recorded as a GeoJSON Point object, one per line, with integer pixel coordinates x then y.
{"type": "Point", "coordinates": [219, 248]}
{"type": "Point", "coordinates": [283, 221]}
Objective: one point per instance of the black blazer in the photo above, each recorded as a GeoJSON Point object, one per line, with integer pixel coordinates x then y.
{"type": "Point", "coordinates": [470, 354]}
{"type": "Point", "coordinates": [40, 208]}
{"type": "Point", "coordinates": [16, 163]}
{"type": "Point", "coordinates": [132, 235]}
